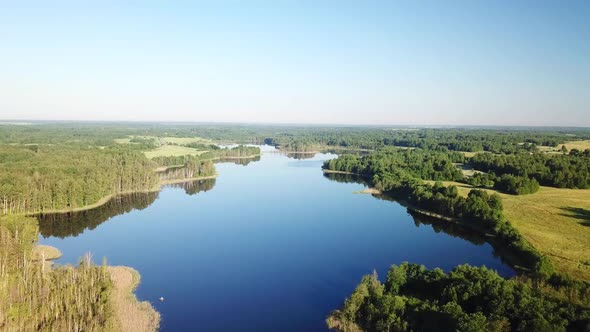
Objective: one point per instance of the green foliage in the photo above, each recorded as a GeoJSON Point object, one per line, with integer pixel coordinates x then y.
{"type": "Point", "coordinates": [562, 171]}
{"type": "Point", "coordinates": [516, 185]}
{"type": "Point", "coordinates": [68, 177]}
{"type": "Point", "coordinates": [34, 297]}
{"type": "Point", "coordinates": [404, 163]}
{"type": "Point", "coordinates": [466, 299]}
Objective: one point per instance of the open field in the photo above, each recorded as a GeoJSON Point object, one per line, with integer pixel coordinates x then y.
{"type": "Point", "coordinates": [172, 150]}
{"type": "Point", "coordinates": [469, 154]}
{"type": "Point", "coordinates": [580, 145]}
{"type": "Point", "coordinates": [122, 140]}
{"type": "Point", "coordinates": [555, 221]}
{"type": "Point", "coordinates": [186, 140]}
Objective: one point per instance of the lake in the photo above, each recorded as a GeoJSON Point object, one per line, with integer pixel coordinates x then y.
{"type": "Point", "coordinates": [270, 245]}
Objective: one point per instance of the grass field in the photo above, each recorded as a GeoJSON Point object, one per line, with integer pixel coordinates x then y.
{"type": "Point", "coordinates": [580, 145]}
{"type": "Point", "coordinates": [172, 150]}
{"type": "Point", "coordinates": [122, 140]}
{"type": "Point", "coordinates": [555, 221]}
{"type": "Point", "coordinates": [187, 140]}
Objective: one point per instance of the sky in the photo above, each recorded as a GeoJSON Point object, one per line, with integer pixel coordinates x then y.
{"type": "Point", "coordinates": [306, 62]}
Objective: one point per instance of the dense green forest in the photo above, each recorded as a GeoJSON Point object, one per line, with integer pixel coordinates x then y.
{"type": "Point", "coordinates": [555, 170]}
{"type": "Point", "coordinates": [416, 163]}
{"type": "Point", "coordinates": [38, 178]}
{"type": "Point", "coordinates": [34, 297]}
{"type": "Point", "coordinates": [413, 298]}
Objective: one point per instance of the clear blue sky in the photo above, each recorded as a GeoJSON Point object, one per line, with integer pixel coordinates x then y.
{"type": "Point", "coordinates": [346, 62]}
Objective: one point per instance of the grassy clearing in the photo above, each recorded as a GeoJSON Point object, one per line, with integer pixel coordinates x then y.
{"type": "Point", "coordinates": [172, 150]}
{"type": "Point", "coordinates": [469, 154]}
{"type": "Point", "coordinates": [555, 221]}
{"type": "Point", "coordinates": [122, 140]}
{"type": "Point", "coordinates": [580, 145]}
{"type": "Point", "coordinates": [132, 315]}
{"type": "Point", "coordinates": [186, 140]}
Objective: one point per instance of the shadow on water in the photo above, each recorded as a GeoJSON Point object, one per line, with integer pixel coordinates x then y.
{"type": "Point", "coordinates": [348, 178]}
{"type": "Point", "coordinates": [63, 225]}
{"type": "Point", "coordinates": [458, 230]}
{"type": "Point", "coordinates": [75, 223]}
{"type": "Point", "coordinates": [300, 155]}
{"type": "Point", "coordinates": [194, 187]}
{"type": "Point", "coordinates": [578, 213]}
{"type": "Point", "coordinates": [310, 155]}
{"type": "Point", "coordinates": [239, 161]}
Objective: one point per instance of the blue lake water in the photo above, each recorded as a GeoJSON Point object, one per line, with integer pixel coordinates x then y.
{"type": "Point", "coordinates": [271, 246]}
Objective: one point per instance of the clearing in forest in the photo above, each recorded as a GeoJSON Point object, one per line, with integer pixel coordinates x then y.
{"type": "Point", "coordinates": [172, 150]}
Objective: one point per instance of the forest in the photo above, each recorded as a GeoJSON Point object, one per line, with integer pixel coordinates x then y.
{"type": "Point", "coordinates": [39, 178]}
{"type": "Point", "coordinates": [414, 298]}
{"type": "Point", "coordinates": [35, 297]}
{"type": "Point", "coordinates": [570, 170]}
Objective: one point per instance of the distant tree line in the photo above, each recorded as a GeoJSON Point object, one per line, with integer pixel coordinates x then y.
{"type": "Point", "coordinates": [556, 170]}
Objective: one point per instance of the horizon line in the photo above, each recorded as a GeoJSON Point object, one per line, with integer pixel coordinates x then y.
{"type": "Point", "coordinates": [292, 124]}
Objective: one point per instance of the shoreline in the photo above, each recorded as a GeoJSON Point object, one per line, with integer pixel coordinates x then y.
{"type": "Point", "coordinates": [367, 191]}
{"type": "Point", "coordinates": [329, 171]}
{"type": "Point", "coordinates": [131, 314]}
{"type": "Point", "coordinates": [107, 198]}
{"type": "Point", "coordinates": [166, 182]}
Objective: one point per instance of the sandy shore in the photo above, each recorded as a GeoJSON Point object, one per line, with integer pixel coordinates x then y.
{"type": "Point", "coordinates": [368, 191]}
{"type": "Point", "coordinates": [329, 171]}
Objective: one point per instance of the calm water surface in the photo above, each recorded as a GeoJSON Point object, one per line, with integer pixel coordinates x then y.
{"type": "Point", "coordinates": [270, 246]}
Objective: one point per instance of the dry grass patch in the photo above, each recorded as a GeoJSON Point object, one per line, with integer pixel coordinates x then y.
{"type": "Point", "coordinates": [580, 145]}
{"type": "Point", "coordinates": [132, 315]}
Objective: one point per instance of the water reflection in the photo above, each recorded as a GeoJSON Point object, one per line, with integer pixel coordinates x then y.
{"type": "Point", "coordinates": [239, 161]}
{"type": "Point", "coordinates": [75, 223]}
{"type": "Point", "coordinates": [506, 254]}
{"type": "Point", "coordinates": [194, 187]}
{"type": "Point", "coordinates": [300, 155]}
{"type": "Point", "coordinates": [347, 178]}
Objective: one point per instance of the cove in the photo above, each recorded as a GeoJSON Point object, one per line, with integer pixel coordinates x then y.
{"type": "Point", "coordinates": [270, 245]}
